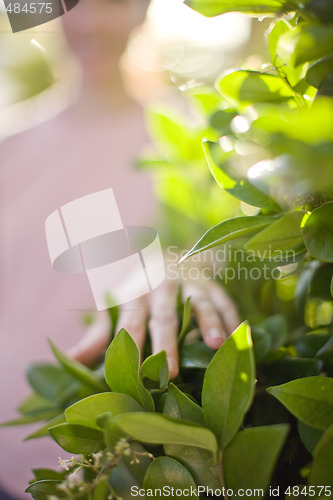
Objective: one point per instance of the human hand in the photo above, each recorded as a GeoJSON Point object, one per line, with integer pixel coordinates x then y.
{"type": "Point", "coordinates": [215, 312]}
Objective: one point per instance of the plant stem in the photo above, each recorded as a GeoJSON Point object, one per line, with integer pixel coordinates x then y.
{"type": "Point", "coordinates": [221, 477]}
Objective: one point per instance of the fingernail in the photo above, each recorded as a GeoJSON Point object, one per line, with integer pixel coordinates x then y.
{"type": "Point", "coordinates": [215, 333]}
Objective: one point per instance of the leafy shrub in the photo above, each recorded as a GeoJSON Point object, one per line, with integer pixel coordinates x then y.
{"type": "Point", "coordinates": [251, 417]}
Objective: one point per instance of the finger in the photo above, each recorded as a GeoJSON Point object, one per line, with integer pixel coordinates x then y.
{"type": "Point", "coordinates": [133, 317]}
{"type": "Point", "coordinates": [94, 342]}
{"type": "Point", "coordinates": [163, 324]}
{"type": "Point", "coordinates": [225, 306]}
{"type": "Point", "coordinates": [209, 320]}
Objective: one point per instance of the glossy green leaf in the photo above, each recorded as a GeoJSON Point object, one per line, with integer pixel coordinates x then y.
{"type": "Point", "coordinates": [322, 467]}
{"type": "Point", "coordinates": [78, 438]}
{"type": "Point", "coordinates": [178, 405]}
{"type": "Point", "coordinates": [309, 436]}
{"type": "Point", "coordinates": [250, 458]}
{"type": "Point", "coordinates": [229, 230]}
{"type": "Point", "coordinates": [155, 367]}
{"type": "Point", "coordinates": [160, 429]}
{"type": "Point", "coordinates": [318, 233]}
{"type": "Point", "coordinates": [249, 87]}
{"type": "Point", "coordinates": [86, 411]}
{"type": "Point", "coordinates": [77, 370]}
{"type": "Point", "coordinates": [211, 8]}
{"type": "Point", "coordinates": [309, 399]}
{"type": "Point", "coordinates": [43, 490]}
{"type": "Point", "coordinates": [122, 363]}
{"type": "Point", "coordinates": [229, 385]}
{"type": "Point", "coordinates": [305, 43]}
{"type": "Point", "coordinates": [240, 188]}
{"type": "Point", "coordinates": [282, 238]}
{"type": "Point", "coordinates": [166, 471]}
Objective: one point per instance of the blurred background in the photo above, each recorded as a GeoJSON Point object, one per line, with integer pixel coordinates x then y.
{"type": "Point", "coordinates": [176, 47]}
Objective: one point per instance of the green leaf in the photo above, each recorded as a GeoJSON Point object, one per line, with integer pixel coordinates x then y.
{"type": "Point", "coordinates": [250, 458]}
{"type": "Point", "coordinates": [112, 432]}
{"type": "Point", "coordinates": [229, 385]}
{"type": "Point", "coordinates": [35, 403]}
{"type": "Point", "coordinates": [309, 436]}
{"type": "Point", "coordinates": [313, 126]}
{"type": "Point", "coordinates": [165, 471]}
{"type": "Point", "coordinates": [86, 411]}
{"type": "Point", "coordinates": [200, 463]}
{"type": "Point", "coordinates": [196, 355]}
{"type": "Point", "coordinates": [325, 88]}
{"type": "Point", "coordinates": [122, 370]}
{"type": "Point", "coordinates": [249, 87]}
{"type": "Point", "coordinates": [50, 381]}
{"type": "Point", "coordinates": [186, 322]}
{"type": "Point", "coordinates": [319, 70]}
{"type": "Point", "coordinates": [78, 438]}
{"type": "Point", "coordinates": [178, 405]}
{"type": "Point", "coordinates": [155, 367]}
{"type": "Point", "coordinates": [127, 474]}
{"type": "Point", "coordinates": [79, 371]}
{"type": "Point", "coordinates": [160, 429]}
{"type": "Point", "coordinates": [229, 230]}
{"type": "Point", "coordinates": [221, 120]}
{"type": "Point", "coordinates": [293, 75]}
{"type": "Point", "coordinates": [281, 239]}
{"type": "Point", "coordinates": [240, 188]}
{"type": "Point", "coordinates": [44, 430]}
{"type": "Point", "coordinates": [305, 43]}
{"type": "Point", "coordinates": [322, 467]}
{"type": "Point", "coordinates": [42, 490]}
{"type": "Point", "coordinates": [211, 8]}
{"type": "Point", "coordinates": [46, 474]}
{"type": "Point", "coordinates": [290, 368]}
{"type": "Point", "coordinates": [309, 399]}
{"type": "Point", "coordinates": [173, 137]}
{"type": "Point", "coordinates": [318, 233]}
{"type": "Point", "coordinates": [261, 343]}
{"type": "Point", "coordinates": [30, 419]}
{"type": "Point", "coordinates": [101, 492]}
